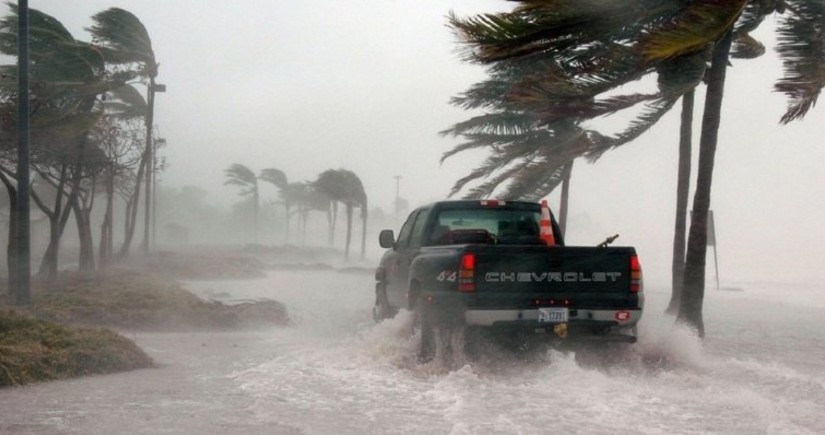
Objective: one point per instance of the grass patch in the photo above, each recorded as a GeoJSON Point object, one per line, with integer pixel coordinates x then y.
{"type": "Point", "coordinates": [140, 301]}
{"type": "Point", "coordinates": [33, 350]}
{"type": "Point", "coordinates": [59, 336]}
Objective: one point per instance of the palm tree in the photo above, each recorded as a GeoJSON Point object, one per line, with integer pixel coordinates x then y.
{"type": "Point", "coordinates": [682, 192]}
{"type": "Point", "coordinates": [124, 40]}
{"type": "Point", "coordinates": [278, 178]}
{"type": "Point", "coordinates": [354, 196]}
{"type": "Point", "coordinates": [329, 183]}
{"type": "Point", "coordinates": [800, 38]}
{"type": "Point", "coordinates": [295, 194]}
{"type": "Point", "coordinates": [67, 76]}
{"type": "Point", "coordinates": [344, 186]}
{"type": "Point", "coordinates": [620, 43]}
{"type": "Point", "coordinates": [240, 175]}
{"type": "Point", "coordinates": [125, 105]}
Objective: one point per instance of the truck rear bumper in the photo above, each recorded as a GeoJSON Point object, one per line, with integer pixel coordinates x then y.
{"type": "Point", "coordinates": [491, 317]}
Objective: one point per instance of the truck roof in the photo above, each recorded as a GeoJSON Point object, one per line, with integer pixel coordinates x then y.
{"type": "Point", "coordinates": [481, 203]}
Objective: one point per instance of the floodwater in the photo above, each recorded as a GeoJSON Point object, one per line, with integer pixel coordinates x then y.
{"type": "Point", "coordinates": [760, 370]}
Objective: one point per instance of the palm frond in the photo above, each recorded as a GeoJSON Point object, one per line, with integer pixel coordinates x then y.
{"type": "Point", "coordinates": [691, 29]}
{"type": "Point", "coordinates": [240, 175]}
{"type": "Point", "coordinates": [652, 113]}
{"type": "Point", "coordinates": [274, 176]}
{"type": "Point", "coordinates": [551, 27]}
{"type": "Point", "coordinates": [122, 31]}
{"type": "Point", "coordinates": [801, 47]}
{"type": "Point", "coordinates": [746, 47]}
{"type": "Point", "coordinates": [504, 122]}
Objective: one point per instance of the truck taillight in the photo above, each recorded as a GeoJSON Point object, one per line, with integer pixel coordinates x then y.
{"type": "Point", "coordinates": [635, 274]}
{"type": "Point", "coordinates": [493, 203]}
{"type": "Point", "coordinates": [466, 273]}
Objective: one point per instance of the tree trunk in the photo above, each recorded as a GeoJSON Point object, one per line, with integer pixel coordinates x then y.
{"type": "Point", "coordinates": [693, 289]}
{"type": "Point", "coordinates": [48, 264]}
{"type": "Point", "coordinates": [304, 215]}
{"type": "Point", "coordinates": [682, 192]}
{"type": "Point", "coordinates": [106, 232]}
{"type": "Point", "coordinates": [11, 247]}
{"type": "Point", "coordinates": [286, 231]}
{"type": "Point", "coordinates": [150, 162]}
{"type": "Point", "coordinates": [363, 230]}
{"type": "Point", "coordinates": [255, 212]}
{"type": "Point", "coordinates": [131, 212]}
{"type": "Point", "coordinates": [332, 223]}
{"type": "Point", "coordinates": [86, 260]}
{"type": "Point", "coordinates": [349, 230]}
{"type": "Point", "coordinates": [565, 196]}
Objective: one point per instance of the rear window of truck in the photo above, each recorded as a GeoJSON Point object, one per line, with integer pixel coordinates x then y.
{"type": "Point", "coordinates": [489, 225]}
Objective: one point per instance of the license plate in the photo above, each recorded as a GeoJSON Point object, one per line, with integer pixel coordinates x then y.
{"type": "Point", "coordinates": [553, 315]}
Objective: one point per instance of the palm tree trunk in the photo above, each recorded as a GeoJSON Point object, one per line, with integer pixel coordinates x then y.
{"type": "Point", "coordinates": [11, 247]}
{"type": "Point", "coordinates": [304, 216]}
{"type": "Point", "coordinates": [565, 196]}
{"type": "Point", "coordinates": [150, 162]}
{"type": "Point", "coordinates": [363, 230]}
{"type": "Point", "coordinates": [48, 264]}
{"type": "Point", "coordinates": [349, 230]}
{"type": "Point", "coordinates": [682, 192]}
{"type": "Point", "coordinates": [332, 223]}
{"type": "Point", "coordinates": [106, 233]}
{"type": "Point", "coordinates": [58, 216]}
{"type": "Point", "coordinates": [86, 260]}
{"type": "Point", "coordinates": [255, 212]}
{"type": "Point", "coordinates": [693, 289]}
{"type": "Point", "coordinates": [286, 230]}
{"type": "Point", "coordinates": [132, 209]}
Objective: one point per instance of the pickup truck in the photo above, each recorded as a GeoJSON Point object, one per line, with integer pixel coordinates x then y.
{"type": "Point", "coordinates": [483, 264]}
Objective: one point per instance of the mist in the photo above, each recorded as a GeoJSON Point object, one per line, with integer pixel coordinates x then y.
{"type": "Point", "coordinates": [365, 86]}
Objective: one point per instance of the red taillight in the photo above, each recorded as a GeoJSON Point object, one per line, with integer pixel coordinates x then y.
{"type": "Point", "coordinates": [635, 274]}
{"type": "Point", "coordinates": [492, 203]}
{"type": "Point", "coordinates": [466, 273]}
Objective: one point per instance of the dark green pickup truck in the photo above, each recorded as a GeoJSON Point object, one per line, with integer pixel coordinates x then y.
{"type": "Point", "coordinates": [482, 264]}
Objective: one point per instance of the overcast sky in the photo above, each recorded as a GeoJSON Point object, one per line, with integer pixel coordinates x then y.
{"type": "Point", "coordinates": [364, 84]}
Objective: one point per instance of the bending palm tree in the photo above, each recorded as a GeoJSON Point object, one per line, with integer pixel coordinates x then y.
{"type": "Point", "coordinates": [126, 104]}
{"type": "Point", "coordinates": [659, 33]}
{"type": "Point", "coordinates": [124, 40]}
{"type": "Point", "coordinates": [242, 176]}
{"type": "Point", "coordinates": [277, 178]}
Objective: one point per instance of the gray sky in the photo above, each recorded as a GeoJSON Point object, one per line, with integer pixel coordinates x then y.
{"type": "Point", "coordinates": [364, 85]}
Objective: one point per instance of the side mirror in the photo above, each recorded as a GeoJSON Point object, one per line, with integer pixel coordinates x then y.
{"type": "Point", "coordinates": [386, 239]}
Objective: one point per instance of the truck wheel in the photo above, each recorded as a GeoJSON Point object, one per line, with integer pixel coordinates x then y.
{"type": "Point", "coordinates": [382, 310]}
{"type": "Point", "coordinates": [424, 323]}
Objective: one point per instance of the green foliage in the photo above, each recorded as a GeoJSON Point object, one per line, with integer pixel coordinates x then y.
{"type": "Point", "coordinates": [557, 65]}
{"type": "Point", "coordinates": [124, 39]}
{"type": "Point", "coordinates": [801, 47]}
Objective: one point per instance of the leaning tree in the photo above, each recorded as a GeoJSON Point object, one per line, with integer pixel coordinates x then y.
{"type": "Point", "coordinates": [603, 45]}
{"type": "Point", "coordinates": [243, 177]}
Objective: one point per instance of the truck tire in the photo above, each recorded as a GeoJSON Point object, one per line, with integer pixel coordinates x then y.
{"type": "Point", "coordinates": [382, 309]}
{"type": "Point", "coordinates": [424, 323]}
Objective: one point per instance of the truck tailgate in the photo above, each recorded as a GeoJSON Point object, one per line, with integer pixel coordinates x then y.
{"type": "Point", "coordinates": [540, 275]}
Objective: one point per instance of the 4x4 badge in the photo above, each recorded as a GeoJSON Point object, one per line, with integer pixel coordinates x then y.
{"type": "Point", "coordinates": [447, 275]}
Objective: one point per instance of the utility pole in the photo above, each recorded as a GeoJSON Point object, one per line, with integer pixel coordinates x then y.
{"type": "Point", "coordinates": [397, 198]}
{"type": "Point", "coordinates": [151, 89]}
{"type": "Point", "coordinates": [22, 260]}
{"type": "Point", "coordinates": [157, 167]}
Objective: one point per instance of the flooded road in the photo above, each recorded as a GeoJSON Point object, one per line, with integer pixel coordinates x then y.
{"type": "Point", "coordinates": [760, 370]}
